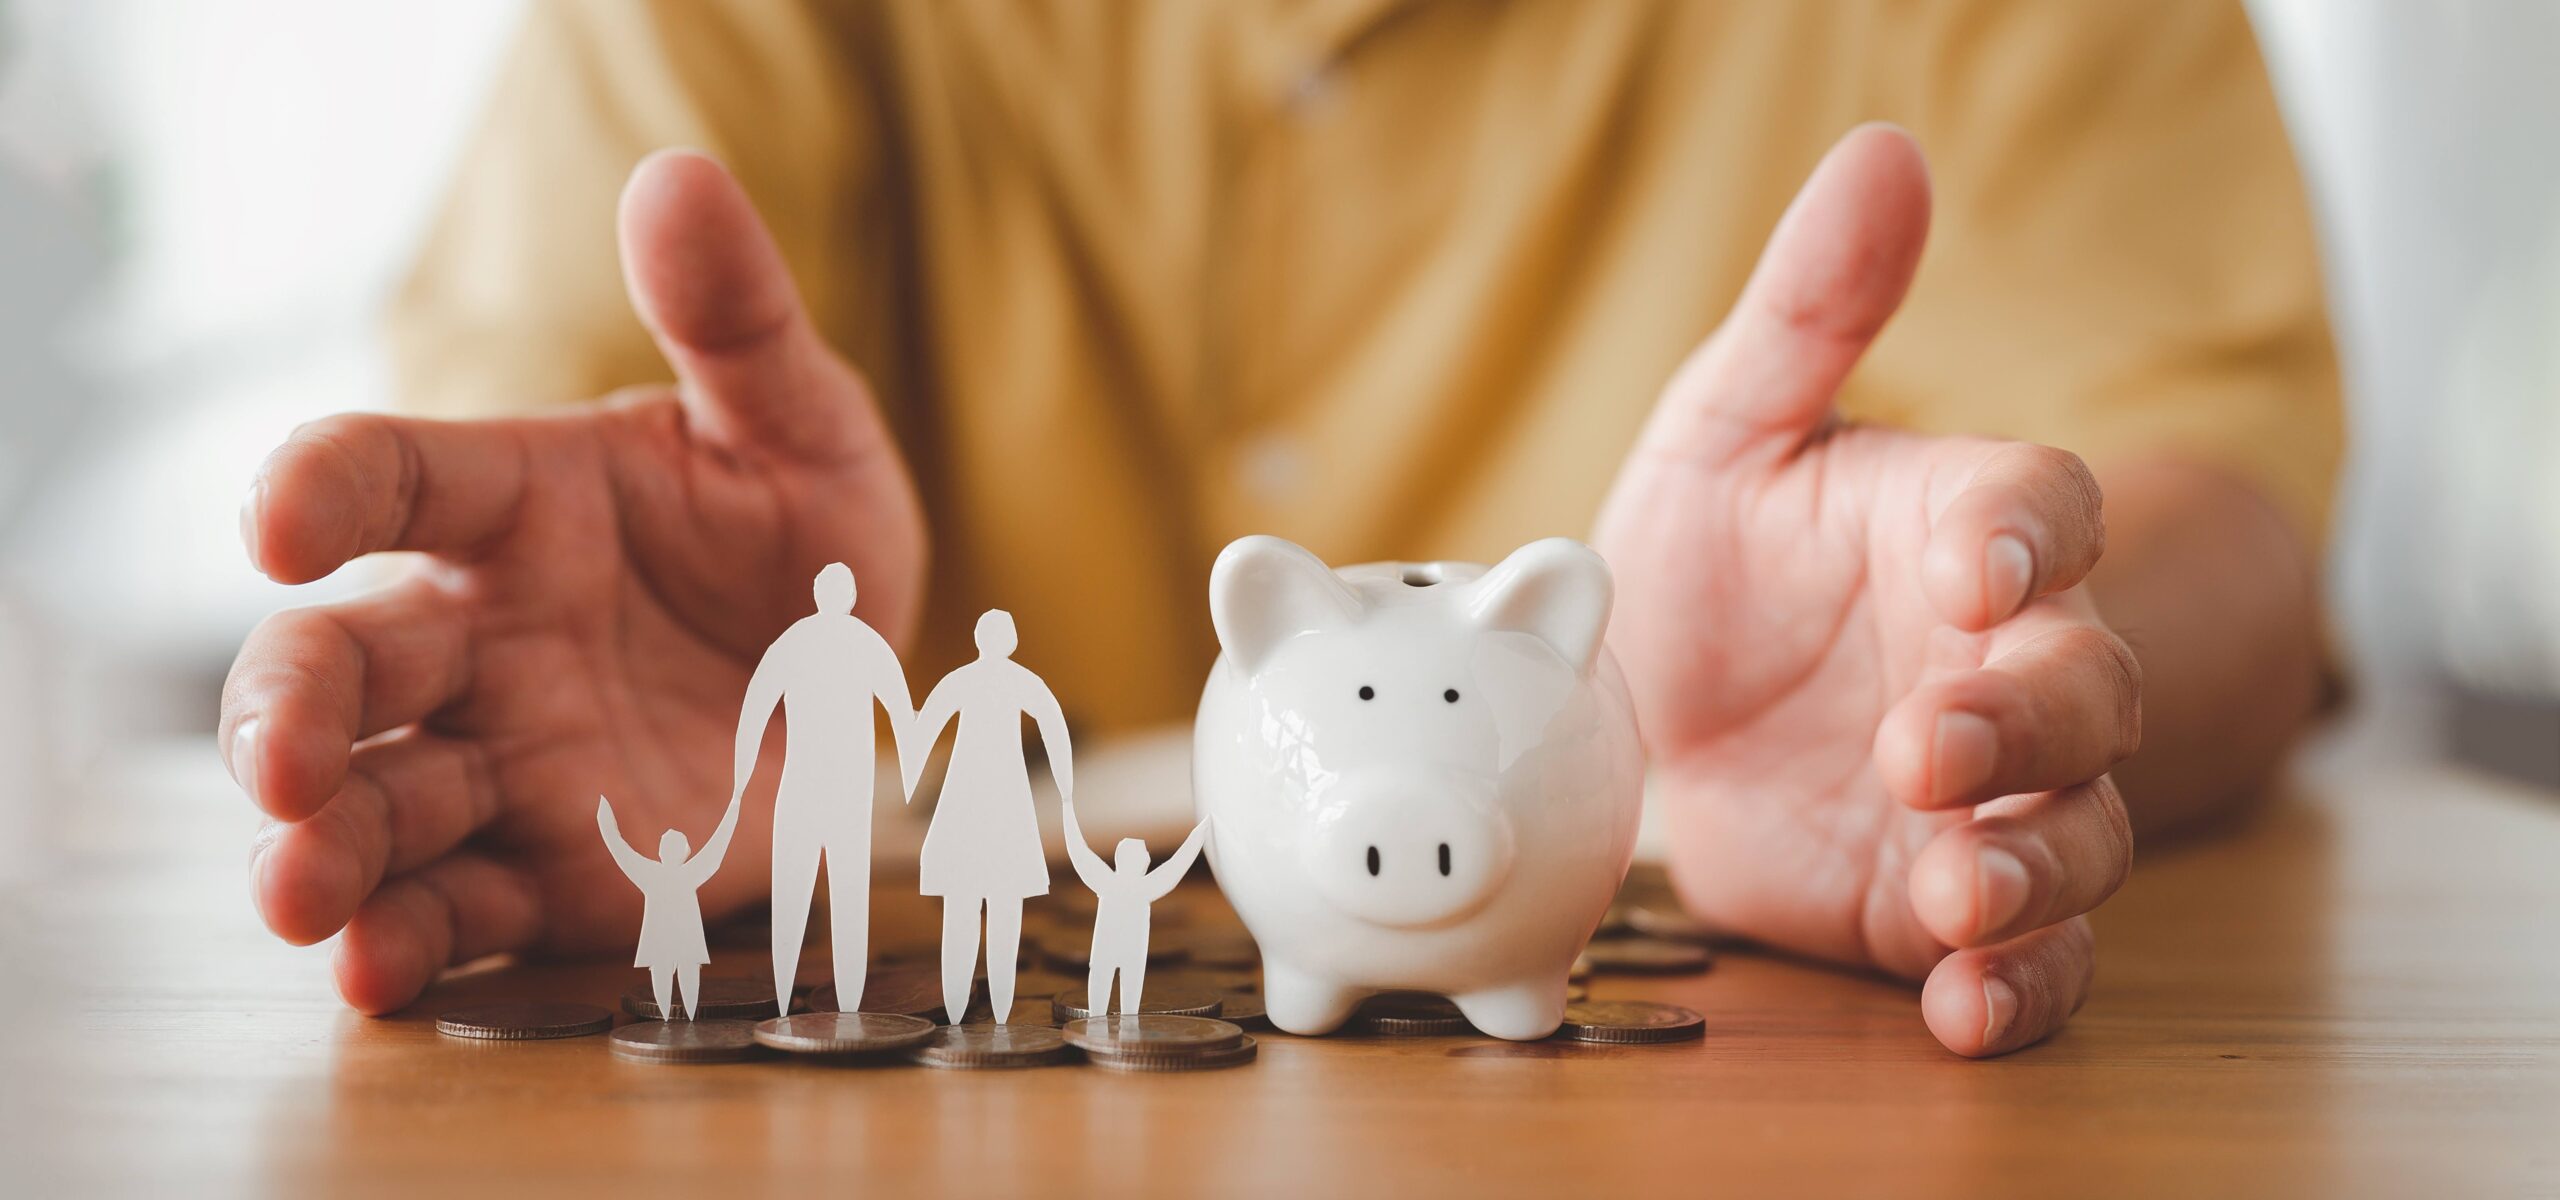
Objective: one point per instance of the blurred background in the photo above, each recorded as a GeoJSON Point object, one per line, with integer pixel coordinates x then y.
{"type": "Point", "coordinates": [203, 206]}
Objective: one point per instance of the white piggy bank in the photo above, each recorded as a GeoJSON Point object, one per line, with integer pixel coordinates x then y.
{"type": "Point", "coordinates": [1418, 776]}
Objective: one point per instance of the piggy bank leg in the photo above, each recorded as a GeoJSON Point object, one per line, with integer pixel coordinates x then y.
{"type": "Point", "coordinates": [1299, 1003]}
{"type": "Point", "coordinates": [1522, 1012]}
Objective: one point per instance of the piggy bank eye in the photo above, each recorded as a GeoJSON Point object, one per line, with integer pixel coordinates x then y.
{"type": "Point", "coordinates": [1367, 692]}
{"type": "Point", "coordinates": [1451, 695]}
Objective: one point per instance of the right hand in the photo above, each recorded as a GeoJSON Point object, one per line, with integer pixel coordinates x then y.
{"type": "Point", "coordinates": [592, 591]}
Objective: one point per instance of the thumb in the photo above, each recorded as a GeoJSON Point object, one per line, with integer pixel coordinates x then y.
{"type": "Point", "coordinates": [1834, 271]}
{"type": "Point", "coordinates": [717, 296]}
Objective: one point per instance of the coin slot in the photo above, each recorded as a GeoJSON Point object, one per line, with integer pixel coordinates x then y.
{"type": "Point", "coordinates": [1373, 860]}
{"type": "Point", "coordinates": [1444, 860]}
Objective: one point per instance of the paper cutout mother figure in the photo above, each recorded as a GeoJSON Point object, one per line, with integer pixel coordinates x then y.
{"type": "Point", "coordinates": [826, 671]}
{"type": "Point", "coordinates": [671, 942]}
{"type": "Point", "coordinates": [982, 852]}
{"type": "Point", "coordinates": [1126, 892]}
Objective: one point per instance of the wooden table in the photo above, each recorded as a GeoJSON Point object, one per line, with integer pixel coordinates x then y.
{"type": "Point", "coordinates": [2357, 992]}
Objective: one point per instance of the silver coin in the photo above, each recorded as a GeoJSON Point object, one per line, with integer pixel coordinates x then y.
{"type": "Point", "coordinates": [723, 1040]}
{"type": "Point", "coordinates": [1409, 1014]}
{"type": "Point", "coordinates": [724, 997]}
{"type": "Point", "coordinates": [1169, 997]}
{"type": "Point", "coordinates": [1648, 956]}
{"type": "Point", "coordinates": [1629, 1021]}
{"type": "Point", "coordinates": [1233, 1056]}
{"type": "Point", "coordinates": [1150, 1035]}
{"type": "Point", "coordinates": [843, 1033]}
{"type": "Point", "coordinates": [525, 1021]}
{"type": "Point", "coordinates": [991, 1047]}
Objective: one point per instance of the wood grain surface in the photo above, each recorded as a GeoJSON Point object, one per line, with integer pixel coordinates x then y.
{"type": "Point", "coordinates": [2357, 991]}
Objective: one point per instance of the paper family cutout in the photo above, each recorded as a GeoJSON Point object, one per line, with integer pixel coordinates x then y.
{"type": "Point", "coordinates": [981, 853]}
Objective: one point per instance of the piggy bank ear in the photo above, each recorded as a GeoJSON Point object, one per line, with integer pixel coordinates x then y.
{"type": "Point", "coordinates": [1265, 591]}
{"type": "Point", "coordinates": [1556, 590]}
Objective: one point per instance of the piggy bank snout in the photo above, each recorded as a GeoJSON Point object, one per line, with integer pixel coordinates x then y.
{"type": "Point", "coordinates": [1411, 849]}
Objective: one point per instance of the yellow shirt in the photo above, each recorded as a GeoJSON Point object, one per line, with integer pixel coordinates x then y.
{"type": "Point", "coordinates": [1390, 279]}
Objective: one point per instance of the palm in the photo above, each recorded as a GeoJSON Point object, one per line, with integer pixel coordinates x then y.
{"type": "Point", "coordinates": [626, 607]}
{"type": "Point", "coordinates": [1806, 620]}
{"type": "Point", "coordinates": [593, 592]}
{"type": "Point", "coordinates": [1881, 708]}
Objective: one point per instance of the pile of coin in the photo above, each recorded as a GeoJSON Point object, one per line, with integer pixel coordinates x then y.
{"type": "Point", "coordinates": [1159, 1042]}
{"type": "Point", "coordinates": [1194, 1014]}
{"type": "Point", "coordinates": [1629, 1022]}
{"type": "Point", "coordinates": [843, 1035]}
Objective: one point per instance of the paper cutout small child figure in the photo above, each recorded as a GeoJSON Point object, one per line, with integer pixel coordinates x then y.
{"type": "Point", "coordinates": [671, 943]}
{"type": "Point", "coordinates": [1126, 892]}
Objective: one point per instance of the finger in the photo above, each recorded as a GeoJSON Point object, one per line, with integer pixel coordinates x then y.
{"type": "Point", "coordinates": [311, 682]}
{"type": "Point", "coordinates": [408, 800]}
{"type": "Point", "coordinates": [350, 485]}
{"type": "Point", "coordinates": [717, 295]}
{"type": "Point", "coordinates": [2029, 524]}
{"type": "Point", "coordinates": [456, 909]}
{"type": "Point", "coordinates": [2060, 704]}
{"type": "Point", "coordinates": [1999, 998]}
{"type": "Point", "coordinates": [1834, 270]}
{"type": "Point", "coordinates": [2024, 863]}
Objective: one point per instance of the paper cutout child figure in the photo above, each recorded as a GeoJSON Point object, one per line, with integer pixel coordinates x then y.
{"type": "Point", "coordinates": [671, 942]}
{"type": "Point", "coordinates": [828, 669]}
{"type": "Point", "coordinates": [982, 852]}
{"type": "Point", "coordinates": [1126, 892]}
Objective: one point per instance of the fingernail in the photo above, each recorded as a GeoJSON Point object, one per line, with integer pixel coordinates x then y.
{"type": "Point", "coordinates": [268, 832]}
{"type": "Point", "coordinates": [1999, 1007]}
{"type": "Point", "coordinates": [249, 521]}
{"type": "Point", "coordinates": [244, 757]}
{"type": "Point", "coordinates": [2007, 570]}
{"type": "Point", "coordinates": [2002, 881]}
{"type": "Point", "coordinates": [1967, 746]}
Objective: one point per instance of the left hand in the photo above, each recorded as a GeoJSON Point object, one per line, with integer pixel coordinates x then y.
{"type": "Point", "coordinates": [1881, 701]}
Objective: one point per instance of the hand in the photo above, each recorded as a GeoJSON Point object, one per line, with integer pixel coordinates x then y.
{"type": "Point", "coordinates": [592, 592]}
{"type": "Point", "coordinates": [1882, 705]}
